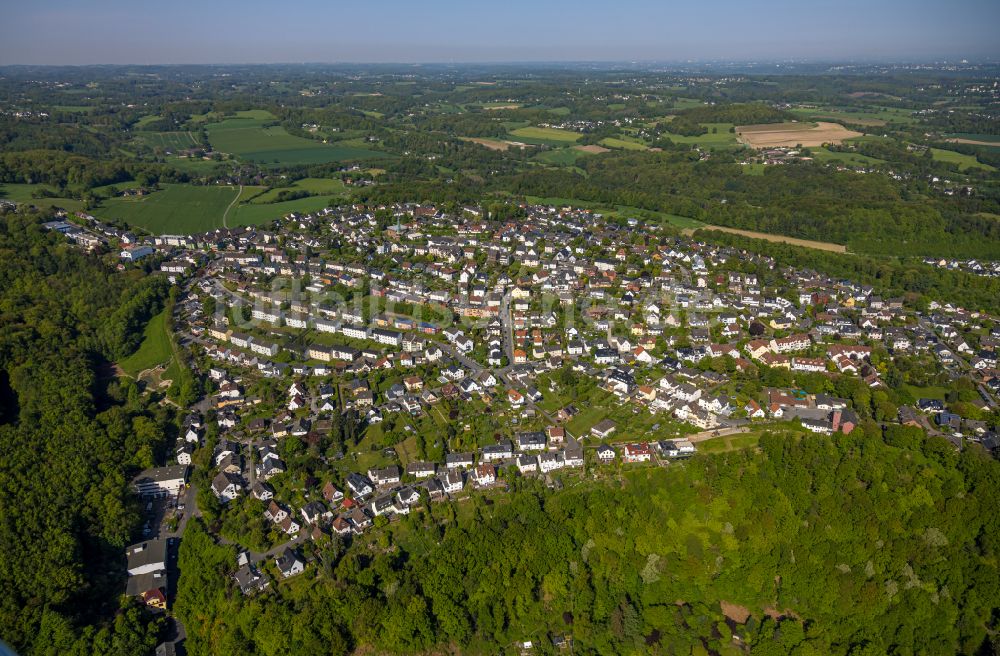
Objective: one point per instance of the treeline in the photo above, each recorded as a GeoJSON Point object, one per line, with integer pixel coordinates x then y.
{"type": "Point", "coordinates": [861, 544]}
{"type": "Point", "coordinates": [687, 122]}
{"type": "Point", "coordinates": [889, 277]}
{"type": "Point", "coordinates": [870, 214]}
{"type": "Point", "coordinates": [70, 439]}
{"type": "Point", "coordinates": [77, 173]}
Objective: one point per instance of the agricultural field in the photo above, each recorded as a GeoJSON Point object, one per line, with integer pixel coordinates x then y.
{"type": "Point", "coordinates": [793, 134]}
{"type": "Point", "coordinates": [868, 116]}
{"type": "Point", "coordinates": [550, 136]}
{"type": "Point", "coordinates": [492, 144]}
{"type": "Point", "coordinates": [312, 185]}
{"type": "Point", "coordinates": [260, 213]}
{"type": "Point", "coordinates": [248, 138]}
{"type": "Point", "coordinates": [624, 144]}
{"type": "Point", "coordinates": [166, 140]}
{"type": "Point", "coordinates": [176, 209]}
{"type": "Point", "coordinates": [991, 140]}
{"type": "Point", "coordinates": [964, 162]}
{"type": "Point", "coordinates": [853, 159]}
{"type": "Point", "coordinates": [22, 193]}
{"type": "Point", "coordinates": [561, 156]}
{"type": "Point", "coordinates": [717, 137]}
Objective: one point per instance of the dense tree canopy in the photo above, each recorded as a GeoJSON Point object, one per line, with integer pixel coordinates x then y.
{"type": "Point", "coordinates": [69, 442]}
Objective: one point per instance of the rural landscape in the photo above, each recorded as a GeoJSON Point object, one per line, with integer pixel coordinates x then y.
{"type": "Point", "coordinates": [591, 352]}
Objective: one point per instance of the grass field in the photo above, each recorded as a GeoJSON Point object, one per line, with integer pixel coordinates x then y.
{"type": "Point", "coordinates": [990, 140]}
{"type": "Point", "coordinates": [824, 155]}
{"type": "Point", "coordinates": [166, 140]}
{"type": "Point", "coordinates": [551, 136]}
{"type": "Point", "coordinates": [260, 213]}
{"type": "Point", "coordinates": [964, 162]}
{"type": "Point", "coordinates": [248, 138]}
{"type": "Point", "coordinates": [154, 350]}
{"type": "Point", "coordinates": [719, 139]}
{"type": "Point", "coordinates": [868, 116]}
{"type": "Point", "coordinates": [560, 156]}
{"type": "Point", "coordinates": [625, 144]}
{"type": "Point", "coordinates": [312, 185]}
{"type": "Point", "coordinates": [177, 209]}
{"type": "Point", "coordinates": [21, 193]}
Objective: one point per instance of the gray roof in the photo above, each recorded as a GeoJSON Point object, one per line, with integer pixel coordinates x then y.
{"type": "Point", "coordinates": [143, 554]}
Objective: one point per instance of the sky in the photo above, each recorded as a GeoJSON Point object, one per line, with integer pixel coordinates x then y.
{"type": "Point", "coordinates": [398, 31]}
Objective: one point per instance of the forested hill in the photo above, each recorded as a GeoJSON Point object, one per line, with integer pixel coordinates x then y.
{"type": "Point", "coordinates": [862, 545]}
{"type": "Point", "coordinates": [69, 442]}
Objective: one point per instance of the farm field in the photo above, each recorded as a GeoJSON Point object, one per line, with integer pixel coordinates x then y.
{"type": "Point", "coordinates": [176, 209]}
{"type": "Point", "coordinates": [625, 144]}
{"type": "Point", "coordinates": [874, 116]}
{"type": "Point", "coordinates": [551, 136]}
{"type": "Point", "coordinates": [248, 138]}
{"type": "Point", "coordinates": [964, 162]}
{"type": "Point", "coordinates": [21, 193]}
{"type": "Point", "coordinates": [991, 140]}
{"type": "Point", "coordinates": [260, 213]}
{"type": "Point", "coordinates": [312, 185]}
{"type": "Point", "coordinates": [492, 144]}
{"type": "Point", "coordinates": [717, 137]}
{"type": "Point", "coordinates": [166, 140]}
{"type": "Point", "coordinates": [561, 156]}
{"type": "Point", "coordinates": [793, 134]}
{"type": "Point", "coordinates": [825, 155]}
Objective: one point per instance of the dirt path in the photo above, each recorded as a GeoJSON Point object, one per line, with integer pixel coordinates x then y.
{"type": "Point", "coordinates": [794, 241]}
{"type": "Point", "coordinates": [974, 142]}
{"type": "Point", "coordinates": [226, 214]}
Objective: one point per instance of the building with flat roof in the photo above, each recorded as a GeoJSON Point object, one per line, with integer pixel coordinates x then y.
{"type": "Point", "coordinates": [161, 481]}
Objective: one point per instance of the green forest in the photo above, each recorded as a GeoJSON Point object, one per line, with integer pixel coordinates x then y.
{"type": "Point", "coordinates": [71, 436]}
{"type": "Point", "coordinates": [867, 544]}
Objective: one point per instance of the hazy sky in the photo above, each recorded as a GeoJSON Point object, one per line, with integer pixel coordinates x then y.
{"type": "Point", "coordinates": [248, 31]}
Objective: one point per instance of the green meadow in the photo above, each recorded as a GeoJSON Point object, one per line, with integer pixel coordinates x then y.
{"type": "Point", "coordinates": [176, 209]}
{"type": "Point", "coordinates": [964, 162]}
{"type": "Point", "coordinates": [154, 350]}
{"type": "Point", "coordinates": [250, 138]}
{"type": "Point", "coordinates": [550, 136]}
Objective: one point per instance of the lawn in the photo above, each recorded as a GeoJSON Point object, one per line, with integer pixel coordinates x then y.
{"type": "Point", "coordinates": [176, 209]}
{"type": "Point", "coordinates": [550, 136]}
{"type": "Point", "coordinates": [248, 138]}
{"type": "Point", "coordinates": [154, 350]}
{"type": "Point", "coordinates": [964, 162]}
{"type": "Point", "coordinates": [926, 392]}
{"type": "Point", "coordinates": [728, 443]}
